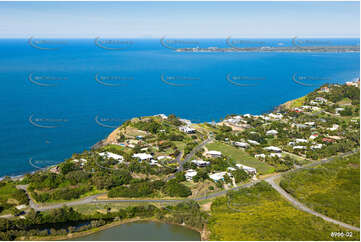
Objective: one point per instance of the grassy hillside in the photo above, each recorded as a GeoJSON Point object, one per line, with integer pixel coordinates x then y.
{"type": "Point", "coordinates": [260, 213]}
{"type": "Point", "coordinates": [332, 189]}
{"type": "Point", "coordinates": [241, 156]}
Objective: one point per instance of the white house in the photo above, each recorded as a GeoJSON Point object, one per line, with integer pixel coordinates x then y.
{"type": "Point", "coordinates": [164, 157]}
{"type": "Point", "coordinates": [263, 156]}
{"type": "Point", "coordinates": [301, 141]}
{"type": "Point", "coordinates": [273, 148]}
{"type": "Point", "coordinates": [310, 123]}
{"type": "Point", "coordinates": [272, 132]}
{"type": "Point", "coordinates": [324, 89]}
{"type": "Point", "coordinates": [110, 155]}
{"type": "Point", "coordinates": [276, 155]}
{"type": "Point", "coordinates": [275, 116]}
{"type": "Point", "coordinates": [321, 99]}
{"type": "Point", "coordinates": [253, 142]}
{"type": "Point", "coordinates": [231, 169]}
{"type": "Point", "coordinates": [186, 121]}
{"type": "Point", "coordinates": [299, 147]}
{"type": "Point", "coordinates": [219, 176]}
{"type": "Point", "coordinates": [187, 129]}
{"type": "Point", "coordinates": [201, 163]}
{"type": "Point", "coordinates": [214, 153]}
{"type": "Point", "coordinates": [313, 136]}
{"type": "Point", "coordinates": [142, 156]}
{"type": "Point", "coordinates": [163, 116]}
{"type": "Point", "coordinates": [334, 127]}
{"type": "Point", "coordinates": [22, 206]}
{"type": "Point", "coordinates": [337, 110]}
{"type": "Point", "coordinates": [153, 162]}
{"type": "Point", "coordinates": [316, 146]}
{"type": "Point", "coordinates": [241, 144]}
{"type": "Point", "coordinates": [301, 126]}
{"type": "Point", "coordinates": [249, 170]}
{"type": "Point", "coordinates": [189, 174]}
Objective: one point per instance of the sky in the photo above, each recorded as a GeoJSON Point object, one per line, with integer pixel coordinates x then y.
{"type": "Point", "coordinates": [179, 19]}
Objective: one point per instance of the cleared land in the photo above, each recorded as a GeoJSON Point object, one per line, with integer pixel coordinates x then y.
{"type": "Point", "coordinates": [241, 156]}
{"type": "Point", "coordinates": [331, 189]}
{"type": "Point", "coordinates": [260, 213]}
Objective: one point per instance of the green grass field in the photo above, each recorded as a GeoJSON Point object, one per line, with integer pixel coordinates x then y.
{"type": "Point", "coordinates": [7, 191]}
{"type": "Point", "coordinates": [260, 213]}
{"type": "Point", "coordinates": [241, 156]}
{"type": "Point", "coordinates": [332, 189]}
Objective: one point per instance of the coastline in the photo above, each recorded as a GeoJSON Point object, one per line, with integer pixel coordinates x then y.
{"type": "Point", "coordinates": [276, 108]}
{"type": "Point", "coordinates": [203, 233]}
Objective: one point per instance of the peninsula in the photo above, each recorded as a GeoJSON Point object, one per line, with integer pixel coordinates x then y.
{"type": "Point", "coordinates": [227, 180]}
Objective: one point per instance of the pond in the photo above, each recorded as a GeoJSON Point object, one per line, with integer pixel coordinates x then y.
{"type": "Point", "coordinates": [144, 231]}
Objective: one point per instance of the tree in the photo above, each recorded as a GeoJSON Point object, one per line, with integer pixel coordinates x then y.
{"type": "Point", "coordinates": [180, 177]}
{"type": "Point", "coordinates": [175, 189]}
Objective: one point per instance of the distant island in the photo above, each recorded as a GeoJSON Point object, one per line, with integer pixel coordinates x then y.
{"type": "Point", "coordinates": [336, 49]}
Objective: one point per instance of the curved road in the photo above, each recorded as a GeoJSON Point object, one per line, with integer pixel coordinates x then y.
{"type": "Point", "coordinates": [188, 157]}
{"type": "Point", "coordinates": [302, 207]}
{"type": "Point", "coordinates": [270, 180]}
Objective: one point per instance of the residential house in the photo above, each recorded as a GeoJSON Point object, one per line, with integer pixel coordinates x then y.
{"type": "Point", "coordinates": [253, 142]}
{"type": "Point", "coordinates": [219, 176]}
{"type": "Point", "coordinates": [241, 144]}
{"type": "Point", "coordinates": [334, 127]}
{"type": "Point", "coordinates": [272, 132]}
{"type": "Point", "coordinates": [187, 129]}
{"type": "Point", "coordinates": [110, 155]}
{"type": "Point", "coordinates": [189, 174]}
{"type": "Point", "coordinates": [213, 153]}
{"type": "Point", "coordinates": [55, 169]}
{"type": "Point", "coordinates": [262, 156]}
{"type": "Point", "coordinates": [301, 141]}
{"type": "Point", "coordinates": [143, 156]}
{"type": "Point", "coordinates": [163, 116]}
{"type": "Point", "coordinates": [316, 146]}
{"type": "Point", "coordinates": [249, 170]}
{"type": "Point", "coordinates": [276, 155]}
{"type": "Point", "coordinates": [231, 169]}
{"type": "Point", "coordinates": [273, 148]}
{"type": "Point", "coordinates": [324, 89]}
{"type": "Point", "coordinates": [313, 136]}
{"type": "Point", "coordinates": [186, 121]}
{"type": "Point", "coordinates": [275, 116]}
{"type": "Point", "coordinates": [201, 163]}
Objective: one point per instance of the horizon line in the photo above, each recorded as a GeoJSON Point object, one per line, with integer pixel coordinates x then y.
{"type": "Point", "coordinates": [233, 37]}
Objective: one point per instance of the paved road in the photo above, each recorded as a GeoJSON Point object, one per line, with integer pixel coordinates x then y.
{"type": "Point", "coordinates": [302, 207]}
{"type": "Point", "coordinates": [38, 207]}
{"type": "Point", "coordinates": [270, 180]}
{"type": "Point", "coordinates": [188, 157]}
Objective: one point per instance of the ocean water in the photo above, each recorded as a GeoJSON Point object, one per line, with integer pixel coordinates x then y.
{"type": "Point", "coordinates": [59, 97]}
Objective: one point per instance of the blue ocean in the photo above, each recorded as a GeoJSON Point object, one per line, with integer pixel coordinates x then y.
{"type": "Point", "coordinates": [59, 97]}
